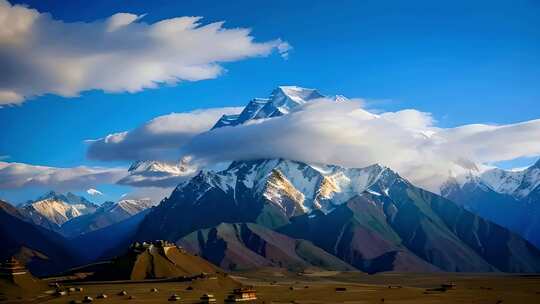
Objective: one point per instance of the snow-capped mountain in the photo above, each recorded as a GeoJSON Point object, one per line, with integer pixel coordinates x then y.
{"type": "Point", "coordinates": [267, 191]}
{"type": "Point", "coordinates": [510, 198]}
{"type": "Point", "coordinates": [369, 217]}
{"type": "Point", "coordinates": [107, 214]}
{"type": "Point", "coordinates": [293, 187]}
{"type": "Point", "coordinates": [42, 250]}
{"type": "Point", "coordinates": [54, 209]}
{"type": "Point", "coordinates": [157, 173]}
{"type": "Point", "coordinates": [518, 183]}
{"type": "Point", "coordinates": [281, 102]}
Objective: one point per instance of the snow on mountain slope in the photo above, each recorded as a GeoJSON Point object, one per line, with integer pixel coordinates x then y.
{"type": "Point", "coordinates": [129, 206]}
{"type": "Point", "coordinates": [516, 183]}
{"type": "Point", "coordinates": [157, 173]}
{"type": "Point", "coordinates": [530, 181]}
{"type": "Point", "coordinates": [56, 209]}
{"type": "Point", "coordinates": [503, 181]}
{"type": "Point", "coordinates": [282, 100]}
{"type": "Point", "coordinates": [155, 166]}
{"type": "Point", "coordinates": [508, 198]}
{"type": "Point", "coordinates": [57, 212]}
{"type": "Point", "coordinates": [107, 214]}
{"type": "Point", "coordinates": [285, 182]}
{"type": "Point", "coordinates": [370, 217]}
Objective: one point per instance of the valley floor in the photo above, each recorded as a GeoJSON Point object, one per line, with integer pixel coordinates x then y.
{"type": "Point", "coordinates": [275, 286]}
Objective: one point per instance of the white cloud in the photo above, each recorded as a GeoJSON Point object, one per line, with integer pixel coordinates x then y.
{"type": "Point", "coordinates": [94, 192]}
{"type": "Point", "coordinates": [40, 55]}
{"type": "Point", "coordinates": [160, 138]}
{"type": "Point", "coordinates": [284, 48]}
{"type": "Point", "coordinates": [345, 134]}
{"type": "Point", "coordinates": [19, 175]}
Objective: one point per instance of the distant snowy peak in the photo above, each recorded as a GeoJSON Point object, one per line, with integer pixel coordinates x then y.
{"type": "Point", "coordinates": [529, 183]}
{"type": "Point", "coordinates": [153, 166]}
{"type": "Point", "coordinates": [292, 186]}
{"type": "Point", "coordinates": [281, 101]}
{"type": "Point", "coordinates": [107, 214]}
{"type": "Point", "coordinates": [129, 206]}
{"type": "Point", "coordinates": [57, 212]}
{"type": "Point", "coordinates": [82, 203]}
{"type": "Point", "coordinates": [57, 208]}
{"type": "Point", "coordinates": [54, 210]}
{"type": "Point", "coordinates": [157, 173]}
{"type": "Point", "coordinates": [502, 181]}
{"type": "Point", "coordinates": [517, 183]}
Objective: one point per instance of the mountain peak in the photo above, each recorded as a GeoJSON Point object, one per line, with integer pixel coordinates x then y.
{"type": "Point", "coordinates": [281, 181]}
{"type": "Point", "coordinates": [48, 195]}
{"type": "Point", "coordinates": [295, 93]}
{"type": "Point", "coordinates": [285, 98]}
{"type": "Point", "coordinates": [282, 100]}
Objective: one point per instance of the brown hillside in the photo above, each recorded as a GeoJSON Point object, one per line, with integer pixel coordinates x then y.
{"type": "Point", "coordinates": [157, 260]}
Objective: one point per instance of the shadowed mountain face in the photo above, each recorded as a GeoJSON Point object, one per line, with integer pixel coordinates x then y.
{"type": "Point", "coordinates": [107, 214]}
{"type": "Point", "coordinates": [508, 198]}
{"type": "Point", "coordinates": [44, 251]}
{"type": "Point", "coordinates": [250, 246]}
{"type": "Point", "coordinates": [107, 242]}
{"type": "Point", "coordinates": [370, 218]}
{"type": "Point", "coordinates": [193, 206]}
{"type": "Point", "coordinates": [358, 234]}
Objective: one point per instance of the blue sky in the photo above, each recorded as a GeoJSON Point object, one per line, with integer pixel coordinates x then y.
{"type": "Point", "coordinates": [463, 62]}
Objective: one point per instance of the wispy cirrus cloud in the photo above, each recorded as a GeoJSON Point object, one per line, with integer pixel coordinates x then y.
{"type": "Point", "coordinates": [41, 55]}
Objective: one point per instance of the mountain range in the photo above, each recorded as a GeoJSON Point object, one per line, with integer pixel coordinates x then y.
{"type": "Point", "coordinates": [338, 209]}
{"type": "Point", "coordinates": [509, 198]}
{"type": "Point", "coordinates": [295, 215]}
{"type": "Point", "coordinates": [71, 215]}
{"type": "Point", "coordinates": [53, 209]}
{"type": "Point", "coordinates": [107, 214]}
{"type": "Point", "coordinates": [371, 218]}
